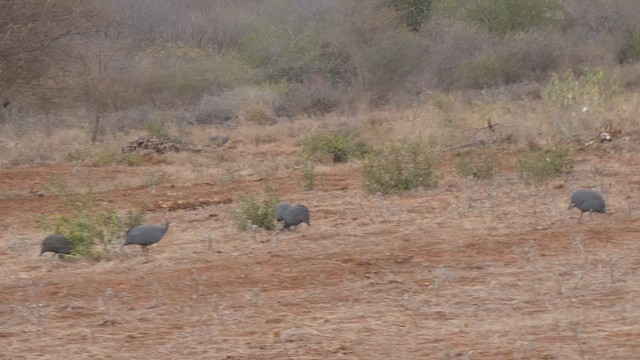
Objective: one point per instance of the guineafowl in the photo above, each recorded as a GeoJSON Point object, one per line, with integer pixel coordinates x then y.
{"type": "Point", "coordinates": [588, 200]}
{"type": "Point", "coordinates": [145, 235]}
{"type": "Point", "coordinates": [294, 216]}
{"type": "Point", "coordinates": [280, 209]}
{"type": "Point", "coordinates": [57, 244]}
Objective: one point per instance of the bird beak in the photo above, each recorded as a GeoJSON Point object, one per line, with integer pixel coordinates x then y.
{"type": "Point", "coordinates": [571, 206]}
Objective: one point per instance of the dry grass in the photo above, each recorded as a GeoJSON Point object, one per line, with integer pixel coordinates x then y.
{"type": "Point", "coordinates": [451, 273]}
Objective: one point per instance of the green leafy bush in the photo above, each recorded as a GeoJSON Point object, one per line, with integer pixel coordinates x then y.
{"type": "Point", "coordinates": [541, 165]}
{"type": "Point", "coordinates": [507, 16]}
{"type": "Point", "coordinates": [339, 146]}
{"type": "Point", "coordinates": [592, 87]}
{"type": "Point", "coordinates": [253, 211]}
{"type": "Point", "coordinates": [308, 174]}
{"type": "Point", "coordinates": [85, 224]}
{"type": "Point", "coordinates": [158, 129]}
{"type": "Point", "coordinates": [399, 168]}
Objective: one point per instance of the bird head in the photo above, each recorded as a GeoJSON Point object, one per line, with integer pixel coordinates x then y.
{"type": "Point", "coordinates": [571, 206]}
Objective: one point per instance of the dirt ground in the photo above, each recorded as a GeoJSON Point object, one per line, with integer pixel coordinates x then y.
{"type": "Point", "coordinates": [471, 270]}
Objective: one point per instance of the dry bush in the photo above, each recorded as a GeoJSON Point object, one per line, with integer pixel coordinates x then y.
{"type": "Point", "coordinates": [451, 45]}
{"type": "Point", "coordinates": [177, 74]}
{"type": "Point", "coordinates": [526, 57]}
{"type": "Point", "coordinates": [227, 107]}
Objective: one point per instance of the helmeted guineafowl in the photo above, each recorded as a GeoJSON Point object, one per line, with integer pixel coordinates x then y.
{"type": "Point", "coordinates": [294, 216]}
{"type": "Point", "coordinates": [145, 235]}
{"type": "Point", "coordinates": [57, 244]}
{"type": "Point", "coordinates": [588, 200]}
{"type": "Point", "coordinates": [280, 209]}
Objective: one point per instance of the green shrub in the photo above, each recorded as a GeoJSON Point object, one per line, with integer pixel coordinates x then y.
{"type": "Point", "coordinates": [476, 168]}
{"type": "Point", "coordinates": [541, 165]}
{"type": "Point", "coordinates": [308, 174]}
{"type": "Point", "coordinates": [339, 146]}
{"type": "Point", "coordinates": [630, 51]}
{"type": "Point", "coordinates": [508, 16]}
{"type": "Point", "coordinates": [399, 168]}
{"type": "Point", "coordinates": [592, 87]}
{"type": "Point", "coordinates": [86, 225]}
{"type": "Point", "coordinates": [252, 211]}
{"type": "Point", "coordinates": [157, 129]}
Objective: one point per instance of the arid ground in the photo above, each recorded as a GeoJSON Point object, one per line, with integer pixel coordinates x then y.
{"type": "Point", "coordinates": [470, 270]}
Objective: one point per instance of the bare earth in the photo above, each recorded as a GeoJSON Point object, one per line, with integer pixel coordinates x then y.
{"type": "Point", "coordinates": [470, 270]}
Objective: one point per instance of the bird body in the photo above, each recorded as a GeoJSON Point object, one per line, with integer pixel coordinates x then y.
{"type": "Point", "coordinates": [280, 209]}
{"type": "Point", "coordinates": [145, 235]}
{"type": "Point", "coordinates": [57, 244]}
{"type": "Point", "coordinates": [294, 216]}
{"type": "Point", "coordinates": [219, 140]}
{"type": "Point", "coordinates": [587, 200]}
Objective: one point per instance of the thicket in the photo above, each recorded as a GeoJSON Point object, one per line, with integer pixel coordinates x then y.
{"type": "Point", "coordinates": [232, 60]}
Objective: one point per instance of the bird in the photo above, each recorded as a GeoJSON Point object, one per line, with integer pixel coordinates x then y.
{"type": "Point", "coordinates": [294, 216]}
{"type": "Point", "coordinates": [280, 209]}
{"type": "Point", "coordinates": [219, 140]}
{"type": "Point", "coordinates": [145, 235]}
{"type": "Point", "coordinates": [57, 244]}
{"type": "Point", "coordinates": [588, 200]}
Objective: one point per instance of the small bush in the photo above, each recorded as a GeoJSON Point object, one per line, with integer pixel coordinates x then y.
{"type": "Point", "coordinates": [508, 16]}
{"type": "Point", "coordinates": [478, 168]}
{"type": "Point", "coordinates": [399, 168]}
{"type": "Point", "coordinates": [630, 51]}
{"type": "Point", "coordinates": [339, 146]}
{"type": "Point", "coordinates": [594, 87]}
{"type": "Point", "coordinates": [256, 212]}
{"type": "Point", "coordinates": [541, 165]}
{"type": "Point", "coordinates": [86, 225]}
{"type": "Point", "coordinates": [308, 174]}
{"type": "Point", "coordinates": [157, 129]}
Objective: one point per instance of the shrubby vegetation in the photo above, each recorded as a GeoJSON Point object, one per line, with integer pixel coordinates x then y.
{"type": "Point", "coordinates": [398, 168]}
{"type": "Point", "coordinates": [256, 211]}
{"type": "Point", "coordinates": [225, 62]}
{"type": "Point", "coordinates": [340, 147]}
{"type": "Point", "coordinates": [540, 165]}
{"type": "Point", "coordinates": [93, 230]}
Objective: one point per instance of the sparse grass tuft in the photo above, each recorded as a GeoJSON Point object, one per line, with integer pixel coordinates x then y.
{"type": "Point", "coordinates": [339, 146]}
{"type": "Point", "coordinates": [399, 168]}
{"type": "Point", "coordinates": [253, 211]}
{"type": "Point", "coordinates": [541, 165]}
{"type": "Point", "coordinates": [476, 168]}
